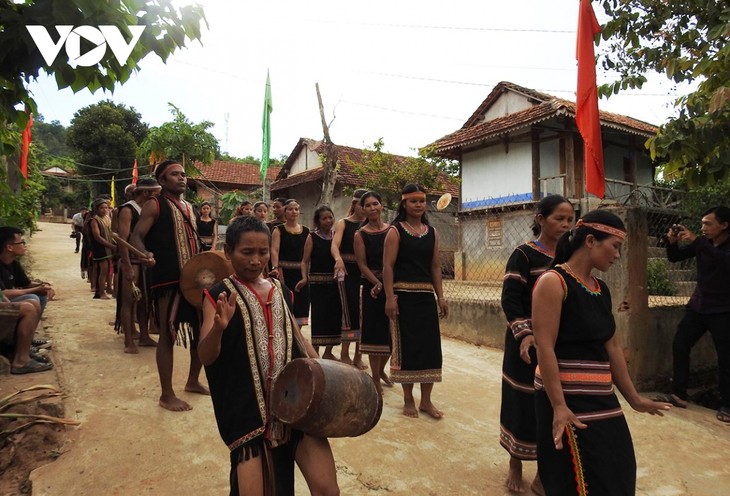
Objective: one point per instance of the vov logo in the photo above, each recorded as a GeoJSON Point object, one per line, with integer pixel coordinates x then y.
{"type": "Point", "coordinates": [71, 36]}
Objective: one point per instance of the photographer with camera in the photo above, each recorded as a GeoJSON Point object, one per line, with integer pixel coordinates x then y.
{"type": "Point", "coordinates": [709, 307]}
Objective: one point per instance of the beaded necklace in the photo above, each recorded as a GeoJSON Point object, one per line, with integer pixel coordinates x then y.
{"type": "Point", "coordinates": [412, 230]}
{"type": "Point", "coordinates": [581, 283]}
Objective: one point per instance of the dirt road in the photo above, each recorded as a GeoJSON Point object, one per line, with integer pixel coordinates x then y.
{"type": "Point", "coordinates": [127, 444]}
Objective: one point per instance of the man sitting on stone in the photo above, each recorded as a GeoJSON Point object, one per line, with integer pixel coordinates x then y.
{"type": "Point", "coordinates": [14, 282]}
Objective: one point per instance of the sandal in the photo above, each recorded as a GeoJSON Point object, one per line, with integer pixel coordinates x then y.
{"type": "Point", "coordinates": [672, 399]}
{"type": "Point", "coordinates": [723, 414]}
{"type": "Point", "coordinates": [30, 367]}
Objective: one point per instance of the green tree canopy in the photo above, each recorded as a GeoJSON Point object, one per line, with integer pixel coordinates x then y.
{"type": "Point", "coordinates": [104, 138]}
{"type": "Point", "coordinates": [52, 135]}
{"type": "Point", "coordinates": [688, 42]}
{"type": "Point", "coordinates": [180, 140]}
{"type": "Point", "coordinates": [167, 29]}
{"type": "Point", "coordinates": [388, 174]}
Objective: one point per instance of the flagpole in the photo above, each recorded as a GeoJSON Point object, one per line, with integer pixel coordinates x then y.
{"type": "Point", "coordinates": [266, 140]}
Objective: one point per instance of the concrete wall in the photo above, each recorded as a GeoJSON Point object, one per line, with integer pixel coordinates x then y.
{"type": "Point", "coordinates": [645, 333]}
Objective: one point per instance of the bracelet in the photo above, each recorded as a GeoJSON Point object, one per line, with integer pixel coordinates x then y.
{"type": "Point", "coordinates": [274, 267]}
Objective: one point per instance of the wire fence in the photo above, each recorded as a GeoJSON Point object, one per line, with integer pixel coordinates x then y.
{"type": "Point", "coordinates": [476, 244]}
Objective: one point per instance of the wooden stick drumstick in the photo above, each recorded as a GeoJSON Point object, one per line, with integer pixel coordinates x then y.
{"type": "Point", "coordinates": [129, 247]}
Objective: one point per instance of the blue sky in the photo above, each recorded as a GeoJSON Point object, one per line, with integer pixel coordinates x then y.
{"type": "Point", "coordinates": [407, 71]}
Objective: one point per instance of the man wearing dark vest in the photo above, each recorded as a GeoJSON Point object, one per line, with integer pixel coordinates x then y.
{"type": "Point", "coordinates": [131, 270]}
{"type": "Point", "coordinates": [166, 232]}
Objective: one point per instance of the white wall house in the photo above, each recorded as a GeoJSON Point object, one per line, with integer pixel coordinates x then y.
{"type": "Point", "coordinates": [520, 145]}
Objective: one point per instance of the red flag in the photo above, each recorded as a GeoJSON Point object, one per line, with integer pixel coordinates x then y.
{"type": "Point", "coordinates": [25, 147]}
{"type": "Point", "coordinates": [135, 174]}
{"type": "Point", "coordinates": [586, 111]}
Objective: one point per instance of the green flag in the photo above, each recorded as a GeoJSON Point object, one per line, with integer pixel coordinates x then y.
{"type": "Point", "coordinates": [266, 126]}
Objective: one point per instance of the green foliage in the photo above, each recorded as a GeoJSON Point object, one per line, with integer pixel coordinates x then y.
{"type": "Point", "coordinates": [167, 29]}
{"type": "Point", "coordinates": [181, 140]}
{"type": "Point", "coordinates": [658, 279]}
{"type": "Point", "coordinates": [104, 138]}
{"type": "Point", "coordinates": [229, 202]}
{"type": "Point", "coordinates": [20, 209]}
{"type": "Point", "coordinates": [52, 135]}
{"type": "Point", "coordinates": [388, 174]}
{"type": "Point", "coordinates": [698, 200]}
{"type": "Point", "coordinates": [688, 42]}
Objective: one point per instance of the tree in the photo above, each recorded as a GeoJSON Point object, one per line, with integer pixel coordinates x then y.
{"type": "Point", "coordinates": [181, 140]}
{"type": "Point", "coordinates": [52, 135]}
{"type": "Point", "coordinates": [688, 42]}
{"type": "Point", "coordinates": [166, 30]}
{"type": "Point", "coordinates": [388, 174]}
{"type": "Point", "coordinates": [104, 138]}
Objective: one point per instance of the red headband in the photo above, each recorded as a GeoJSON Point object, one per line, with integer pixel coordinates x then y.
{"type": "Point", "coordinates": [168, 169]}
{"type": "Point", "coordinates": [602, 228]}
{"type": "Point", "coordinates": [419, 195]}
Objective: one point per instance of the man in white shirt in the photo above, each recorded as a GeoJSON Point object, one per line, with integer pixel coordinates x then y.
{"type": "Point", "coordinates": [78, 225]}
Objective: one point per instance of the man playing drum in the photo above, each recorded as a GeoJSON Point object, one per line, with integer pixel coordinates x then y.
{"type": "Point", "coordinates": [246, 339]}
{"type": "Point", "coordinates": [166, 231]}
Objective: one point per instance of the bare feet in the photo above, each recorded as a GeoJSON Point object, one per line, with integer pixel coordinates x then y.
{"type": "Point", "coordinates": [329, 356]}
{"type": "Point", "coordinates": [346, 360]}
{"type": "Point", "coordinates": [174, 404]}
{"type": "Point", "coordinates": [135, 335]}
{"type": "Point", "coordinates": [361, 365]}
{"type": "Point", "coordinates": [514, 476]}
{"type": "Point", "coordinates": [132, 349]}
{"type": "Point", "coordinates": [147, 342]}
{"type": "Point", "coordinates": [431, 410]}
{"type": "Point", "coordinates": [409, 410]}
{"type": "Point", "coordinates": [386, 380]}
{"type": "Point", "coordinates": [536, 486]}
{"type": "Point", "coordinates": [197, 388]}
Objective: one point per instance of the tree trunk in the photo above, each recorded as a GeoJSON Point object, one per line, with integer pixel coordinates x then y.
{"type": "Point", "coordinates": [329, 178]}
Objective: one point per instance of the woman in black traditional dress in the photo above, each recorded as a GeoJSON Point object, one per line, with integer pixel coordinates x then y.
{"type": "Point", "coordinates": [411, 276]}
{"type": "Point", "coordinates": [287, 250]}
{"type": "Point", "coordinates": [207, 227]}
{"type": "Point", "coordinates": [343, 252]}
{"type": "Point", "coordinates": [554, 216]}
{"type": "Point", "coordinates": [579, 359]}
{"type": "Point", "coordinates": [369, 243]}
{"type": "Point", "coordinates": [317, 271]}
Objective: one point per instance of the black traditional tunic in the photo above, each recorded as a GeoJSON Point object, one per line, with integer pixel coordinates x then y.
{"type": "Point", "coordinates": [375, 324]}
{"type": "Point", "coordinates": [326, 310]}
{"type": "Point", "coordinates": [415, 333]}
{"type": "Point", "coordinates": [205, 231]}
{"type": "Point", "coordinates": [350, 289]}
{"type": "Point", "coordinates": [291, 251]}
{"type": "Point", "coordinates": [598, 460]}
{"type": "Point", "coordinates": [255, 346]}
{"type": "Point", "coordinates": [173, 242]}
{"type": "Point", "coordinates": [517, 416]}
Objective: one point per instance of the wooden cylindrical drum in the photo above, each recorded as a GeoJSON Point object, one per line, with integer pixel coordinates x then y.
{"type": "Point", "coordinates": [325, 398]}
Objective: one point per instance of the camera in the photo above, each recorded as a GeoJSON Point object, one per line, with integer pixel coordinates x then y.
{"type": "Point", "coordinates": [676, 229]}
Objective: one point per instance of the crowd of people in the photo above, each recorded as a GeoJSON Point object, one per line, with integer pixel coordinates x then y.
{"type": "Point", "coordinates": [376, 288]}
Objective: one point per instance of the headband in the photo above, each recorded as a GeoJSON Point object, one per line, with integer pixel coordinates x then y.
{"type": "Point", "coordinates": [417, 195]}
{"type": "Point", "coordinates": [99, 201]}
{"type": "Point", "coordinates": [147, 187]}
{"type": "Point", "coordinates": [168, 169]}
{"type": "Point", "coordinates": [602, 228]}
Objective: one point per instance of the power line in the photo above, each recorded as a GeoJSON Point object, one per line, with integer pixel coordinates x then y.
{"type": "Point", "coordinates": [451, 28]}
{"type": "Point", "coordinates": [403, 111]}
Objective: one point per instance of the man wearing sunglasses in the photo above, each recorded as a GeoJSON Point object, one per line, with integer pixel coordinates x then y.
{"type": "Point", "coordinates": [14, 282]}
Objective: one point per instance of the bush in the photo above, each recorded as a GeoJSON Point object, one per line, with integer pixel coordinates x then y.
{"type": "Point", "coordinates": [698, 200]}
{"type": "Point", "coordinates": [658, 279]}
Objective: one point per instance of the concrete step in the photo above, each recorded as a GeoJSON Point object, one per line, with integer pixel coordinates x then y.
{"type": "Point", "coordinates": [687, 275]}
{"type": "Point", "coordinates": [685, 288]}
{"type": "Point", "coordinates": [657, 252]}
